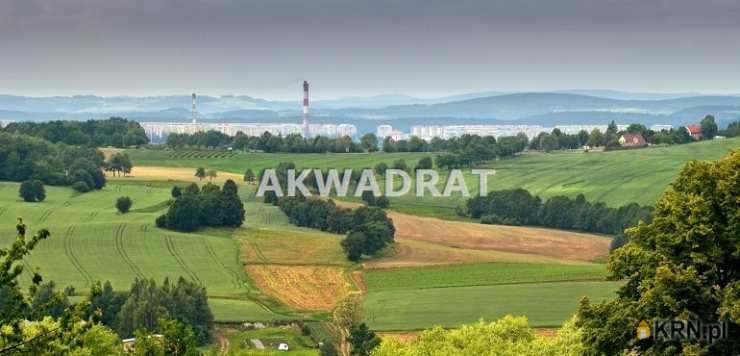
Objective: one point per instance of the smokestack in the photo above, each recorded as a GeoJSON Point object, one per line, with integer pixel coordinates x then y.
{"type": "Point", "coordinates": [305, 108]}
{"type": "Point", "coordinates": [194, 112]}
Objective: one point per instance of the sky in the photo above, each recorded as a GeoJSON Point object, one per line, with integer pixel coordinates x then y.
{"type": "Point", "coordinates": [366, 47]}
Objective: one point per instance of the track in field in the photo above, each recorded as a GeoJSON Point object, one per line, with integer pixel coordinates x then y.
{"type": "Point", "coordinates": [2, 210]}
{"type": "Point", "coordinates": [29, 268]}
{"type": "Point", "coordinates": [257, 251]}
{"type": "Point", "coordinates": [122, 251]}
{"type": "Point", "coordinates": [69, 251]}
{"type": "Point", "coordinates": [235, 280]}
{"type": "Point", "coordinates": [180, 261]}
{"type": "Point", "coordinates": [45, 215]}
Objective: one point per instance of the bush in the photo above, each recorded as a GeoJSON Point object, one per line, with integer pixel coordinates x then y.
{"type": "Point", "coordinates": [382, 202]}
{"type": "Point", "coordinates": [123, 204]}
{"type": "Point", "coordinates": [26, 192]}
{"type": "Point", "coordinates": [81, 187]}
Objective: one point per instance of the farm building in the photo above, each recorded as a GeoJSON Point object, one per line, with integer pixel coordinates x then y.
{"type": "Point", "coordinates": [632, 140]}
{"type": "Point", "coordinates": [694, 131]}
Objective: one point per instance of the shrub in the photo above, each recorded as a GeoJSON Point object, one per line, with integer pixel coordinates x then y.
{"type": "Point", "coordinates": [26, 192]}
{"type": "Point", "coordinates": [81, 187]}
{"type": "Point", "coordinates": [123, 204]}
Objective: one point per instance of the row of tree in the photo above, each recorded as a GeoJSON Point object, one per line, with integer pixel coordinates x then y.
{"type": "Point", "coordinates": [267, 142]}
{"type": "Point", "coordinates": [194, 207]}
{"type": "Point", "coordinates": [115, 131]}
{"type": "Point", "coordinates": [368, 229]}
{"type": "Point", "coordinates": [23, 157]}
{"type": "Point", "coordinates": [519, 207]}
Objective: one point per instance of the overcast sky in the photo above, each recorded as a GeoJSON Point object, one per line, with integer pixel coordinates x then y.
{"type": "Point", "coordinates": [345, 47]}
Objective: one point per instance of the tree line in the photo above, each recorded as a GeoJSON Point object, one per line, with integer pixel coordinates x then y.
{"type": "Point", "coordinates": [115, 131]}
{"type": "Point", "coordinates": [519, 207]}
{"type": "Point", "coordinates": [26, 158]}
{"type": "Point", "coordinates": [210, 205]}
{"type": "Point", "coordinates": [267, 142]}
{"type": "Point", "coordinates": [367, 229]}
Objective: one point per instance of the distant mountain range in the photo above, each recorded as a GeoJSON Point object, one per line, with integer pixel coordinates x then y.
{"type": "Point", "coordinates": [402, 111]}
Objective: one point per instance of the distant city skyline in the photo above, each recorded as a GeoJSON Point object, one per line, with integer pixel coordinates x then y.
{"type": "Point", "coordinates": [420, 48]}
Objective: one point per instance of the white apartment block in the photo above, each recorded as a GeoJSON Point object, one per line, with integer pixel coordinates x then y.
{"type": "Point", "coordinates": [159, 130]}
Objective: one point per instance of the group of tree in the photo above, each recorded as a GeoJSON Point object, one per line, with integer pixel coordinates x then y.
{"type": "Point", "coordinates": [519, 207]}
{"type": "Point", "coordinates": [115, 131]}
{"type": "Point", "coordinates": [210, 205]}
{"type": "Point", "coordinates": [23, 158]}
{"type": "Point", "coordinates": [267, 142]}
{"type": "Point", "coordinates": [355, 338]}
{"type": "Point", "coordinates": [32, 191]}
{"type": "Point", "coordinates": [367, 229]}
{"type": "Point", "coordinates": [732, 130]}
{"type": "Point", "coordinates": [119, 163]}
{"type": "Point", "coordinates": [43, 321]}
{"type": "Point", "coordinates": [371, 200]}
{"type": "Point", "coordinates": [201, 173]}
{"type": "Point", "coordinates": [469, 150]}
{"type": "Point", "coordinates": [682, 266]}
{"type": "Point", "coordinates": [508, 336]}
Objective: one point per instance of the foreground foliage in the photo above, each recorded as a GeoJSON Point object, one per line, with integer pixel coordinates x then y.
{"type": "Point", "coordinates": [508, 336]}
{"type": "Point", "coordinates": [683, 265]}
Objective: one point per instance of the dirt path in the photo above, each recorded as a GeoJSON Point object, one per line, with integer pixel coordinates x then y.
{"type": "Point", "coordinates": [172, 174]}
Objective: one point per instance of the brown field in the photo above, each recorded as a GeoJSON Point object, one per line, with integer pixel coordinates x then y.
{"type": "Point", "coordinates": [172, 174]}
{"type": "Point", "coordinates": [290, 246]}
{"type": "Point", "coordinates": [312, 288]}
{"type": "Point", "coordinates": [426, 241]}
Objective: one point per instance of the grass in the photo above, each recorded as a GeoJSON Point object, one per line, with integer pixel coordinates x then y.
{"type": "Point", "coordinates": [616, 178]}
{"type": "Point", "coordinates": [477, 274]}
{"type": "Point", "coordinates": [545, 304]}
{"type": "Point", "coordinates": [90, 241]}
{"type": "Point", "coordinates": [239, 342]}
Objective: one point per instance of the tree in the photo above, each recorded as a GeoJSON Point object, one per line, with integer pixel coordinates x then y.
{"type": "Point", "coordinates": [328, 349]}
{"type": "Point", "coordinates": [200, 172]}
{"type": "Point", "coordinates": [380, 168]}
{"type": "Point", "coordinates": [347, 314]}
{"type": "Point", "coordinates": [369, 142]}
{"type": "Point", "coordinates": [424, 163]}
{"type": "Point", "coordinates": [400, 164]}
{"type": "Point", "coordinates": [38, 190]}
{"type": "Point", "coordinates": [249, 176]}
{"type": "Point", "coordinates": [26, 191]}
{"type": "Point", "coordinates": [184, 214]}
{"type": "Point", "coordinates": [363, 340]}
{"type": "Point", "coordinates": [708, 127]}
{"type": "Point", "coordinates": [123, 204]}
{"type": "Point", "coordinates": [353, 245]}
{"type": "Point", "coordinates": [382, 202]}
{"type": "Point", "coordinates": [508, 336]}
{"type": "Point", "coordinates": [368, 197]}
{"type": "Point", "coordinates": [176, 192]}
{"type": "Point", "coordinates": [549, 142]}
{"type": "Point", "coordinates": [179, 338]}
{"type": "Point", "coordinates": [231, 205]}
{"type": "Point", "coordinates": [212, 174]}
{"type": "Point", "coordinates": [682, 265]}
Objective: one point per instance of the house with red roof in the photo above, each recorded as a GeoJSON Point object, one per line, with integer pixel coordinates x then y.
{"type": "Point", "coordinates": [694, 131]}
{"type": "Point", "coordinates": [632, 140]}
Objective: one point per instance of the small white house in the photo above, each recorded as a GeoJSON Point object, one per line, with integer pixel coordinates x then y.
{"type": "Point", "coordinates": [283, 347]}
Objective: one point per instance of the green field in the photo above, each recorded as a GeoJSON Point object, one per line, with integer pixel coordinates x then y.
{"type": "Point", "coordinates": [478, 274]}
{"type": "Point", "coordinates": [545, 304]}
{"type": "Point", "coordinates": [90, 242]}
{"type": "Point", "coordinates": [616, 178]}
{"type": "Point", "coordinates": [414, 298]}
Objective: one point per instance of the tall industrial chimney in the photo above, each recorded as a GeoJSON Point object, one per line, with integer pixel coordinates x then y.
{"type": "Point", "coordinates": [305, 108]}
{"type": "Point", "coordinates": [195, 113]}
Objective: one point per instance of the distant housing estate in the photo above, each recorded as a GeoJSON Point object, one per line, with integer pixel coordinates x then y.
{"type": "Point", "coordinates": [157, 131]}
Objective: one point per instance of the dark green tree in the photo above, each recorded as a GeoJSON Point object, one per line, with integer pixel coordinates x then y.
{"type": "Point", "coordinates": [682, 265]}
{"type": "Point", "coordinates": [249, 176]}
{"type": "Point", "coordinates": [231, 205]}
{"type": "Point", "coordinates": [123, 204]}
{"type": "Point", "coordinates": [424, 163]}
{"type": "Point", "coordinates": [176, 192]}
{"type": "Point", "coordinates": [708, 127]}
{"type": "Point", "coordinates": [26, 191]}
{"type": "Point", "coordinates": [369, 142]}
{"type": "Point", "coordinates": [363, 340]}
{"type": "Point", "coordinates": [38, 190]}
{"type": "Point", "coordinates": [200, 172]}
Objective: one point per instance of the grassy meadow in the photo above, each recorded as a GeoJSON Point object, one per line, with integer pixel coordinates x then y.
{"type": "Point", "coordinates": [616, 178]}
{"type": "Point", "coordinates": [90, 241]}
